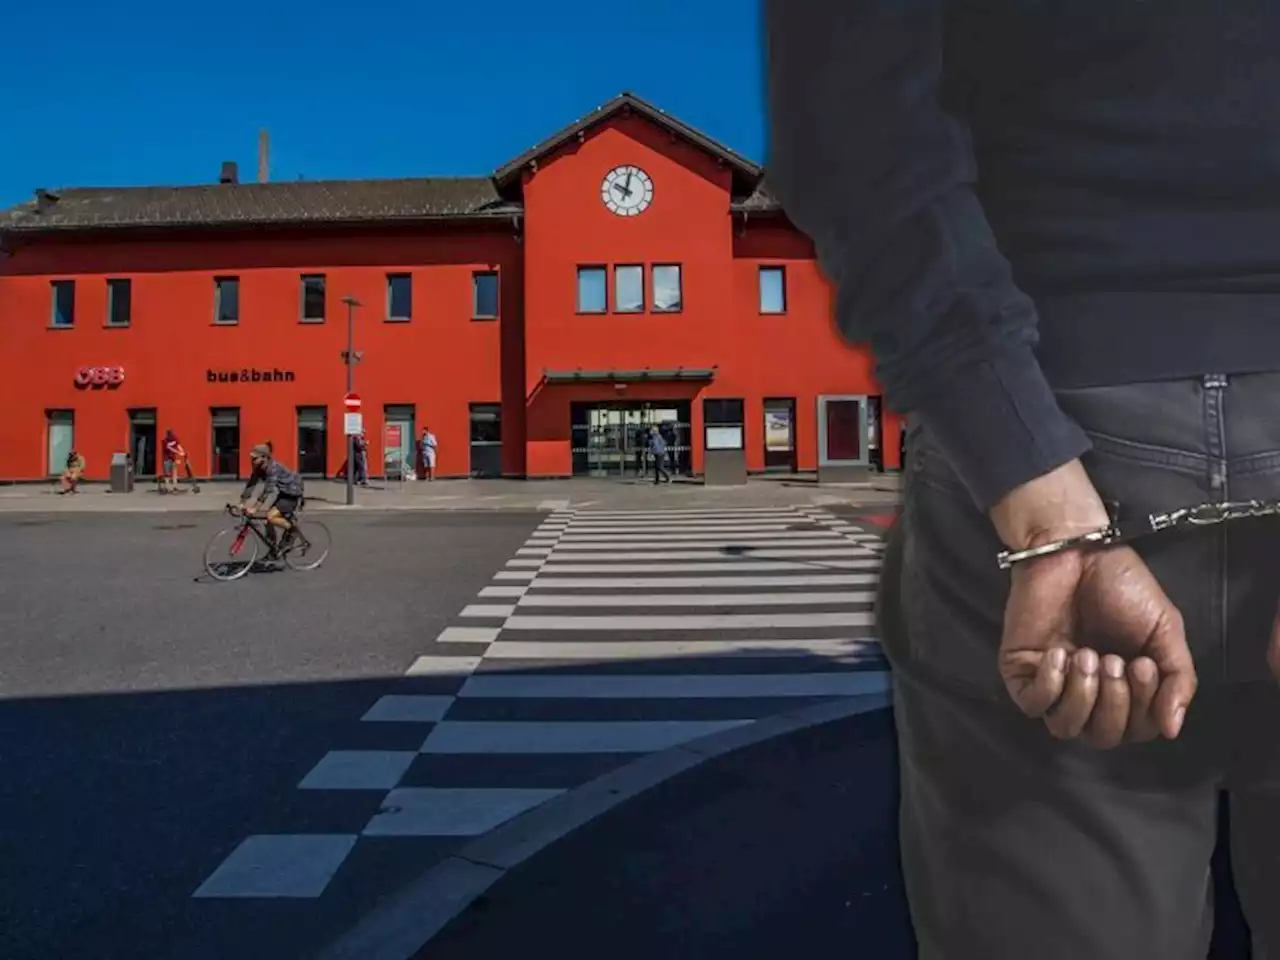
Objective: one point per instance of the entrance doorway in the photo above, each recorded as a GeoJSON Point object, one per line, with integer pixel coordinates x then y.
{"type": "Point", "coordinates": [313, 441]}
{"type": "Point", "coordinates": [142, 441]}
{"type": "Point", "coordinates": [226, 442]}
{"type": "Point", "coordinates": [844, 447]}
{"type": "Point", "coordinates": [62, 434]}
{"type": "Point", "coordinates": [486, 439]}
{"type": "Point", "coordinates": [780, 435]}
{"type": "Point", "coordinates": [610, 439]}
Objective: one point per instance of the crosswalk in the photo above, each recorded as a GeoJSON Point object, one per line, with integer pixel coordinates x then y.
{"type": "Point", "coordinates": [609, 635]}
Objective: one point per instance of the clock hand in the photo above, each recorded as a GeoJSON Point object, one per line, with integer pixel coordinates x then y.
{"type": "Point", "coordinates": [622, 190]}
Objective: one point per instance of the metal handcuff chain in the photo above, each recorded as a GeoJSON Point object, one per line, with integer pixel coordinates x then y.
{"type": "Point", "coordinates": [1202, 515]}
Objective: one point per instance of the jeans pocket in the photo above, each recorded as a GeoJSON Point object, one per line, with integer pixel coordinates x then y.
{"type": "Point", "coordinates": [952, 592]}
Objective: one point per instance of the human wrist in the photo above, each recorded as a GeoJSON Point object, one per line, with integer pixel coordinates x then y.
{"type": "Point", "coordinates": [1055, 505]}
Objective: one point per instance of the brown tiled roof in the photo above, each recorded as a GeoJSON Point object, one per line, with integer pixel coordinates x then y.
{"type": "Point", "coordinates": [261, 204]}
{"type": "Point", "coordinates": [747, 170]}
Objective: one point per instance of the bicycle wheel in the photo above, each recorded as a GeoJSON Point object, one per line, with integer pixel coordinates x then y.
{"type": "Point", "coordinates": [310, 546]}
{"type": "Point", "coordinates": [231, 553]}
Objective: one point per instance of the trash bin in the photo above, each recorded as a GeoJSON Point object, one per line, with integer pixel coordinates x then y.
{"type": "Point", "coordinates": [121, 473]}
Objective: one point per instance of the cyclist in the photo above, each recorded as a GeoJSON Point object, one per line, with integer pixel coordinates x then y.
{"type": "Point", "coordinates": [281, 495]}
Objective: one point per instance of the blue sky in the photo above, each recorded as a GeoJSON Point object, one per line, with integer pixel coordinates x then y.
{"type": "Point", "coordinates": [140, 91]}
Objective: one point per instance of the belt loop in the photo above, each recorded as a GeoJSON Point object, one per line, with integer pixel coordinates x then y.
{"type": "Point", "coordinates": [1215, 381]}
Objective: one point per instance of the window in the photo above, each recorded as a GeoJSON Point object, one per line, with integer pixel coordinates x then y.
{"type": "Point", "coordinates": [773, 289]}
{"type": "Point", "coordinates": [64, 303]}
{"type": "Point", "coordinates": [313, 298]}
{"type": "Point", "coordinates": [399, 296]}
{"type": "Point", "coordinates": [119, 302]}
{"type": "Point", "coordinates": [722, 423]}
{"type": "Point", "coordinates": [484, 300]}
{"type": "Point", "coordinates": [226, 299]}
{"type": "Point", "coordinates": [668, 297]}
{"type": "Point", "coordinates": [61, 429]}
{"type": "Point", "coordinates": [628, 289]}
{"type": "Point", "coordinates": [593, 294]}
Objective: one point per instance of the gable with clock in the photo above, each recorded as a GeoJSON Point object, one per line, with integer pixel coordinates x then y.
{"type": "Point", "coordinates": [627, 191]}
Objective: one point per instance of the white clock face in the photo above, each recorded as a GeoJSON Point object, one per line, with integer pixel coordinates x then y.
{"type": "Point", "coordinates": [627, 191]}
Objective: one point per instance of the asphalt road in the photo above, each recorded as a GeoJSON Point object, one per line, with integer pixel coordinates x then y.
{"type": "Point", "coordinates": [151, 719]}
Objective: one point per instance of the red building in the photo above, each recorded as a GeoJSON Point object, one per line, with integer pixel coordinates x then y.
{"type": "Point", "coordinates": [629, 270]}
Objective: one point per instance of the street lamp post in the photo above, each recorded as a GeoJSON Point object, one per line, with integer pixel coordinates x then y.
{"type": "Point", "coordinates": [351, 358]}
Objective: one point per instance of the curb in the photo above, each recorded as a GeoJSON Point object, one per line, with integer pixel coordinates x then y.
{"type": "Point", "coordinates": [408, 922]}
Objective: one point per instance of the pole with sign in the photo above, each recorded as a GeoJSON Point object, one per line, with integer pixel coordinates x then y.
{"type": "Point", "coordinates": [351, 402]}
{"type": "Point", "coordinates": [352, 425]}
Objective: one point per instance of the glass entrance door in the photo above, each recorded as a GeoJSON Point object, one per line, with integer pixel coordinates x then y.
{"type": "Point", "coordinates": [313, 441]}
{"type": "Point", "coordinates": [399, 441]}
{"type": "Point", "coordinates": [62, 432]}
{"type": "Point", "coordinates": [226, 441]}
{"type": "Point", "coordinates": [142, 442]}
{"type": "Point", "coordinates": [612, 439]}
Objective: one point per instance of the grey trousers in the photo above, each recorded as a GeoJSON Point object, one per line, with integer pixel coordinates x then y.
{"type": "Point", "coordinates": [1019, 846]}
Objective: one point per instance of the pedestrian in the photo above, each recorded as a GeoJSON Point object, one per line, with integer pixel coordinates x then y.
{"type": "Point", "coordinates": [658, 449]}
{"type": "Point", "coordinates": [69, 481]}
{"type": "Point", "coordinates": [668, 431]}
{"type": "Point", "coordinates": [429, 446]}
{"type": "Point", "coordinates": [172, 452]}
{"type": "Point", "coordinates": [361, 446]}
{"type": "Point", "coordinates": [1056, 231]}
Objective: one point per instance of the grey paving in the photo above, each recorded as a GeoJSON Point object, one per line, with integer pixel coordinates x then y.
{"type": "Point", "coordinates": [155, 727]}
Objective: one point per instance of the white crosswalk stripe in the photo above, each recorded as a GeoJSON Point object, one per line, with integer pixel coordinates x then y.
{"type": "Point", "coordinates": [609, 635]}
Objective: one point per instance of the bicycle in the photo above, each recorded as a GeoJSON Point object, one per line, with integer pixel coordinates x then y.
{"type": "Point", "coordinates": [298, 550]}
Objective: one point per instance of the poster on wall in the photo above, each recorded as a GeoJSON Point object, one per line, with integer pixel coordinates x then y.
{"type": "Point", "coordinates": [777, 430]}
{"type": "Point", "coordinates": [724, 438]}
{"type": "Point", "coordinates": [393, 464]}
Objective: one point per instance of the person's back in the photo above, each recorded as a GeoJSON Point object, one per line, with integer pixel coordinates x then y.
{"type": "Point", "coordinates": [1057, 224]}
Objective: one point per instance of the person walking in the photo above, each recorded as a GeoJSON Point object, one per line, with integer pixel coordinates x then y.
{"type": "Point", "coordinates": [658, 450]}
{"type": "Point", "coordinates": [1055, 228]}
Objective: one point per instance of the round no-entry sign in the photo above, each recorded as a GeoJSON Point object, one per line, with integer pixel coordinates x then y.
{"type": "Point", "coordinates": [351, 401]}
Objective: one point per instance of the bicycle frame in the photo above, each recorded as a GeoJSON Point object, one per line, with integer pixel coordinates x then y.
{"type": "Point", "coordinates": [257, 524]}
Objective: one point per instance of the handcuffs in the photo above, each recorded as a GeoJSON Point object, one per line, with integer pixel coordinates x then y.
{"type": "Point", "coordinates": [1203, 515]}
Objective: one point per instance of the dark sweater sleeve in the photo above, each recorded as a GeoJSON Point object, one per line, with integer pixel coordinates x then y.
{"type": "Point", "coordinates": [867, 162]}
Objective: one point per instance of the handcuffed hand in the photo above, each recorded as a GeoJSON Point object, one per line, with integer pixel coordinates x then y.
{"type": "Point", "coordinates": [1091, 643]}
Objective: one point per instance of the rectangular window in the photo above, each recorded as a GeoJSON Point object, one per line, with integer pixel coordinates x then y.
{"type": "Point", "coordinates": [313, 298]}
{"type": "Point", "coordinates": [61, 428]}
{"type": "Point", "coordinates": [593, 291]}
{"type": "Point", "coordinates": [119, 302]}
{"type": "Point", "coordinates": [773, 289]}
{"type": "Point", "coordinates": [723, 424]}
{"type": "Point", "coordinates": [226, 299]}
{"type": "Point", "coordinates": [628, 289]}
{"type": "Point", "coordinates": [64, 303]}
{"type": "Point", "coordinates": [484, 299]}
{"type": "Point", "coordinates": [668, 295]}
{"type": "Point", "coordinates": [399, 296]}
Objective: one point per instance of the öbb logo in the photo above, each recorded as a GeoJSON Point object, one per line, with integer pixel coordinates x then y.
{"type": "Point", "coordinates": [99, 376]}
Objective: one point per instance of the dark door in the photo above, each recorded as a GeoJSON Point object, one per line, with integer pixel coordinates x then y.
{"type": "Point", "coordinates": [780, 434]}
{"type": "Point", "coordinates": [142, 442]}
{"type": "Point", "coordinates": [226, 442]}
{"type": "Point", "coordinates": [486, 440]}
{"type": "Point", "coordinates": [313, 441]}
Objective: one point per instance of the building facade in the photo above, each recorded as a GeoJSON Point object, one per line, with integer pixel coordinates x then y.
{"type": "Point", "coordinates": [628, 271]}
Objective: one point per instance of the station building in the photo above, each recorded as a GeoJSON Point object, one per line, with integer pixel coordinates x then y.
{"type": "Point", "coordinates": [627, 271]}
